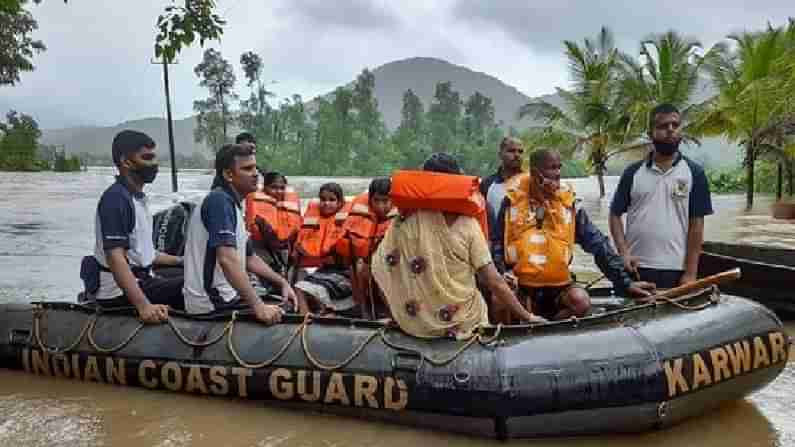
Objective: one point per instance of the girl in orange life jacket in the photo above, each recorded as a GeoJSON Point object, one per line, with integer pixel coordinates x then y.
{"type": "Point", "coordinates": [328, 289]}
{"type": "Point", "coordinates": [273, 219]}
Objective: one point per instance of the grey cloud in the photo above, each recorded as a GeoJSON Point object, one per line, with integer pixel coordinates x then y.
{"type": "Point", "coordinates": [543, 26]}
{"type": "Point", "coordinates": [355, 14]}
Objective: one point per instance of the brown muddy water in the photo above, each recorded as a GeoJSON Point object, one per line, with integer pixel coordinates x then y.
{"type": "Point", "coordinates": [46, 225]}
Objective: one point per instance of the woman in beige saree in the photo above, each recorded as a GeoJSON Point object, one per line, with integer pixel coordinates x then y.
{"type": "Point", "coordinates": [427, 265]}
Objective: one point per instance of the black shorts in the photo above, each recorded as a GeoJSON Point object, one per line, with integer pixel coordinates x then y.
{"type": "Point", "coordinates": [545, 300]}
{"type": "Point", "coordinates": [166, 291]}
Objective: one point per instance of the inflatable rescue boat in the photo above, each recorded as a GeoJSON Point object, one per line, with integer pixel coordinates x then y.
{"type": "Point", "coordinates": [625, 369]}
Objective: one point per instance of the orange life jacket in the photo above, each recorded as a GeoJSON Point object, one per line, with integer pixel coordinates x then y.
{"type": "Point", "coordinates": [284, 217]}
{"type": "Point", "coordinates": [362, 230]}
{"type": "Point", "coordinates": [319, 235]}
{"type": "Point", "coordinates": [540, 256]}
{"type": "Point", "coordinates": [451, 193]}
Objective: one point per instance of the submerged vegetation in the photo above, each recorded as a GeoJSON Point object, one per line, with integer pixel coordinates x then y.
{"type": "Point", "coordinates": [20, 150]}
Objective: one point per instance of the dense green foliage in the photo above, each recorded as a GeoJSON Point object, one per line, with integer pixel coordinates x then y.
{"type": "Point", "coordinates": [343, 133]}
{"type": "Point", "coordinates": [755, 103]}
{"type": "Point", "coordinates": [19, 134]}
{"type": "Point", "coordinates": [20, 150]}
{"type": "Point", "coordinates": [734, 180]}
{"type": "Point", "coordinates": [17, 46]}
{"type": "Point", "coordinates": [605, 112]}
{"type": "Point", "coordinates": [214, 118]}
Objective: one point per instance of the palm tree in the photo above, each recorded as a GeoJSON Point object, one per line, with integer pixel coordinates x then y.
{"type": "Point", "coordinates": [752, 106]}
{"type": "Point", "coordinates": [667, 71]}
{"type": "Point", "coordinates": [592, 118]}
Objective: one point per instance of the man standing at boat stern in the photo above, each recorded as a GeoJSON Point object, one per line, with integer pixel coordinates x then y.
{"type": "Point", "coordinates": [218, 252]}
{"type": "Point", "coordinates": [493, 186]}
{"type": "Point", "coordinates": [665, 198]}
{"type": "Point", "coordinates": [120, 272]}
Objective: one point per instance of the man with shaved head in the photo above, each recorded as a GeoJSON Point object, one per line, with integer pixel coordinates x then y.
{"type": "Point", "coordinates": [492, 187]}
{"type": "Point", "coordinates": [533, 242]}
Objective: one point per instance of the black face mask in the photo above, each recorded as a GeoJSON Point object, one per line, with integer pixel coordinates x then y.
{"type": "Point", "coordinates": [666, 148]}
{"type": "Point", "coordinates": [146, 173]}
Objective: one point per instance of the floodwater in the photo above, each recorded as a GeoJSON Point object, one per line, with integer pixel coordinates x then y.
{"type": "Point", "coordinates": [46, 226]}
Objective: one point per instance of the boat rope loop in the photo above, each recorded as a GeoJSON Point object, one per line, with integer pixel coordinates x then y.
{"type": "Point", "coordinates": [324, 366]}
{"type": "Point", "coordinates": [200, 344]}
{"type": "Point", "coordinates": [37, 314]}
{"type": "Point", "coordinates": [477, 338]}
{"type": "Point", "coordinates": [230, 344]}
{"type": "Point", "coordinates": [87, 333]}
{"type": "Point", "coordinates": [125, 342]}
{"type": "Point", "coordinates": [714, 298]}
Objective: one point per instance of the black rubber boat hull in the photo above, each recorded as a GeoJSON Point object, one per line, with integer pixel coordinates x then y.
{"type": "Point", "coordinates": [624, 371]}
{"type": "Point", "coordinates": [768, 274]}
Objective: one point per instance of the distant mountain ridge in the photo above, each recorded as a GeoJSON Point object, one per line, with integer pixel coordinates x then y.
{"type": "Point", "coordinates": [97, 140]}
{"type": "Point", "coordinates": [420, 74]}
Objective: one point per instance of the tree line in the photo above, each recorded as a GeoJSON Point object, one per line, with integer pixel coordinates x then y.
{"type": "Point", "coordinates": [342, 133]}
{"type": "Point", "coordinates": [21, 151]}
{"type": "Point", "coordinates": [604, 115]}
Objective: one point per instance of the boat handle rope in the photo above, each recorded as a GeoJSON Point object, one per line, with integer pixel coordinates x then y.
{"type": "Point", "coordinates": [477, 338]}
{"type": "Point", "coordinates": [230, 344]}
{"type": "Point", "coordinates": [87, 332]}
{"type": "Point", "coordinates": [714, 298]}
{"type": "Point", "coordinates": [37, 313]}
{"type": "Point", "coordinates": [90, 335]}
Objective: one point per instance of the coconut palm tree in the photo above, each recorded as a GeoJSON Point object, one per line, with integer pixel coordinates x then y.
{"type": "Point", "coordinates": [667, 71]}
{"type": "Point", "coordinates": [592, 118]}
{"type": "Point", "coordinates": [752, 106]}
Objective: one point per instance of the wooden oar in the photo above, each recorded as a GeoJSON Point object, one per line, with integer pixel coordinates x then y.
{"type": "Point", "coordinates": [703, 283]}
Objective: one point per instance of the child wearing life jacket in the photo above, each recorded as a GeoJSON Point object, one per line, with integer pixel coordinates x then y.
{"type": "Point", "coordinates": [368, 221]}
{"type": "Point", "coordinates": [327, 289]}
{"type": "Point", "coordinates": [273, 218]}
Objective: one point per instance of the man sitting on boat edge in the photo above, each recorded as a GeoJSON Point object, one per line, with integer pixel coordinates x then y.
{"type": "Point", "coordinates": [533, 243]}
{"type": "Point", "coordinates": [218, 251]}
{"type": "Point", "coordinates": [120, 271]}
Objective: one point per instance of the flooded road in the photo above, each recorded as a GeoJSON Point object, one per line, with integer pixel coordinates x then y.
{"type": "Point", "coordinates": [46, 226]}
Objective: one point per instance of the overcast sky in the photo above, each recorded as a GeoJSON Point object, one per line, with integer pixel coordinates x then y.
{"type": "Point", "coordinates": [97, 68]}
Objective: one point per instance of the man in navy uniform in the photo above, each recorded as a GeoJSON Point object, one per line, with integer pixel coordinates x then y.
{"type": "Point", "coordinates": [665, 198]}
{"type": "Point", "coordinates": [124, 252]}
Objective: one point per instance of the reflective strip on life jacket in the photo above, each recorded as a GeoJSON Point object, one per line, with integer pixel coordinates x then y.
{"type": "Point", "coordinates": [318, 235]}
{"type": "Point", "coordinates": [540, 256]}
{"type": "Point", "coordinates": [362, 230]}
{"type": "Point", "coordinates": [451, 193]}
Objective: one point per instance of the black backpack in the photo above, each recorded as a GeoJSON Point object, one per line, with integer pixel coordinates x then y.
{"type": "Point", "coordinates": [170, 228]}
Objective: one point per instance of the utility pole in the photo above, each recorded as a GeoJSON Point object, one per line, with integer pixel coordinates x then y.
{"type": "Point", "coordinates": [165, 64]}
